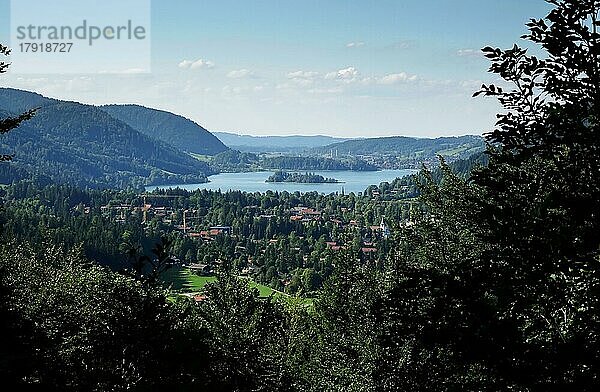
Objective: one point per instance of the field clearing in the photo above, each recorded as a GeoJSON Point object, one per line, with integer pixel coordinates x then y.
{"type": "Point", "coordinates": [200, 157]}
{"type": "Point", "coordinates": [182, 280]}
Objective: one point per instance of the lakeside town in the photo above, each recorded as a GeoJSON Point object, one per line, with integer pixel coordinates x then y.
{"type": "Point", "coordinates": [188, 222]}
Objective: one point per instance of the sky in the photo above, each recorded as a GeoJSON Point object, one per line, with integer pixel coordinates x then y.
{"type": "Point", "coordinates": [352, 68]}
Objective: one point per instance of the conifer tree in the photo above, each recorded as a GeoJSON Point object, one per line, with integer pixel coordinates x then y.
{"type": "Point", "coordinates": [10, 123]}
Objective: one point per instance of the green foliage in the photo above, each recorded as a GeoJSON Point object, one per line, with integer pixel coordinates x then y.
{"type": "Point", "coordinates": [75, 326]}
{"type": "Point", "coordinates": [57, 213]}
{"type": "Point", "coordinates": [10, 123]}
{"type": "Point", "coordinates": [492, 282]}
{"type": "Point", "coordinates": [542, 197]}
{"type": "Point", "coordinates": [232, 160]}
{"type": "Point", "coordinates": [307, 178]}
{"type": "Point", "coordinates": [343, 349]}
{"type": "Point", "coordinates": [167, 127]}
{"type": "Point", "coordinates": [82, 145]}
{"type": "Point", "coordinates": [247, 335]}
{"type": "Point", "coordinates": [408, 149]}
{"type": "Point", "coordinates": [315, 163]}
{"type": "Point", "coordinates": [81, 327]}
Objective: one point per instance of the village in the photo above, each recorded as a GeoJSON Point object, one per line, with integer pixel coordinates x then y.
{"type": "Point", "coordinates": [190, 223]}
{"type": "Point", "coordinates": [183, 220]}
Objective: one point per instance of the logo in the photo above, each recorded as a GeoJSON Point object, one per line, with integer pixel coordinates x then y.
{"type": "Point", "coordinates": [82, 37]}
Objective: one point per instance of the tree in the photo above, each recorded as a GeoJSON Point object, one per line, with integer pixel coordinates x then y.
{"type": "Point", "coordinates": [542, 199]}
{"type": "Point", "coordinates": [73, 325]}
{"type": "Point", "coordinates": [10, 123]}
{"type": "Point", "coordinates": [495, 286]}
{"type": "Point", "coordinates": [247, 338]}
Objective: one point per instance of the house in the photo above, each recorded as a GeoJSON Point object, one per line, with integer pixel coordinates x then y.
{"type": "Point", "coordinates": [336, 221]}
{"type": "Point", "coordinates": [310, 212]}
{"type": "Point", "coordinates": [201, 269]}
{"type": "Point", "coordinates": [199, 297]}
{"type": "Point", "coordinates": [220, 230]}
{"type": "Point", "coordinates": [249, 270]}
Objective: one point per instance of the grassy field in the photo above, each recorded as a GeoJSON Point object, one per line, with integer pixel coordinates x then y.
{"type": "Point", "coordinates": [200, 157]}
{"type": "Point", "coordinates": [182, 280]}
{"type": "Point", "coordinates": [458, 150]}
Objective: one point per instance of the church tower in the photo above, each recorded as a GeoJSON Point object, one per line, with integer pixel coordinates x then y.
{"type": "Point", "coordinates": [385, 231]}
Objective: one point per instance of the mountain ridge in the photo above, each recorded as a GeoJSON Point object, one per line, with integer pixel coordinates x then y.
{"type": "Point", "coordinates": [79, 144]}
{"type": "Point", "coordinates": [174, 129]}
{"type": "Point", "coordinates": [404, 145]}
{"type": "Point", "coordinates": [278, 143]}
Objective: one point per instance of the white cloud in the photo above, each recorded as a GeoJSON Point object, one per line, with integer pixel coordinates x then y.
{"type": "Point", "coordinates": [198, 64]}
{"type": "Point", "coordinates": [355, 44]}
{"type": "Point", "coordinates": [397, 78]}
{"type": "Point", "coordinates": [335, 90]}
{"type": "Point", "coordinates": [302, 75]}
{"type": "Point", "coordinates": [129, 71]}
{"type": "Point", "coordinates": [241, 91]}
{"type": "Point", "coordinates": [230, 92]}
{"type": "Point", "coordinates": [468, 53]}
{"type": "Point", "coordinates": [32, 82]}
{"type": "Point", "coordinates": [302, 78]}
{"type": "Point", "coordinates": [135, 71]}
{"type": "Point", "coordinates": [347, 74]}
{"type": "Point", "coordinates": [239, 74]}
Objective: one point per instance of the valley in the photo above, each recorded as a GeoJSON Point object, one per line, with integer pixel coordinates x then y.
{"type": "Point", "coordinates": [313, 245]}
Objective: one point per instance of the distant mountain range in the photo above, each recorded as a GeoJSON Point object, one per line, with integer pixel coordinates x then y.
{"type": "Point", "coordinates": [282, 144]}
{"type": "Point", "coordinates": [393, 151]}
{"type": "Point", "coordinates": [69, 142]}
{"type": "Point", "coordinates": [122, 146]}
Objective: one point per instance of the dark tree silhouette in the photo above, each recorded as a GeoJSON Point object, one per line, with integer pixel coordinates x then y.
{"type": "Point", "coordinates": [542, 199]}
{"type": "Point", "coordinates": [10, 123]}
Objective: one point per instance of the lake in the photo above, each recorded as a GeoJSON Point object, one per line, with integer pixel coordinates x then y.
{"type": "Point", "coordinates": [255, 182]}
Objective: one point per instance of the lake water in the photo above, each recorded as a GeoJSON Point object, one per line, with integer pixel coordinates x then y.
{"type": "Point", "coordinates": [255, 182]}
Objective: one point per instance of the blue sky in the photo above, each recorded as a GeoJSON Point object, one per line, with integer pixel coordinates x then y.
{"type": "Point", "coordinates": [345, 68]}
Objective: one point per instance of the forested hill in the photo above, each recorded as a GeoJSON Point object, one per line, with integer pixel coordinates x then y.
{"type": "Point", "coordinates": [168, 127]}
{"type": "Point", "coordinates": [315, 163]}
{"type": "Point", "coordinates": [78, 144]}
{"type": "Point", "coordinates": [407, 147]}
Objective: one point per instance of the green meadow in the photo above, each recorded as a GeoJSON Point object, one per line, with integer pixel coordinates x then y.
{"type": "Point", "coordinates": [183, 281]}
